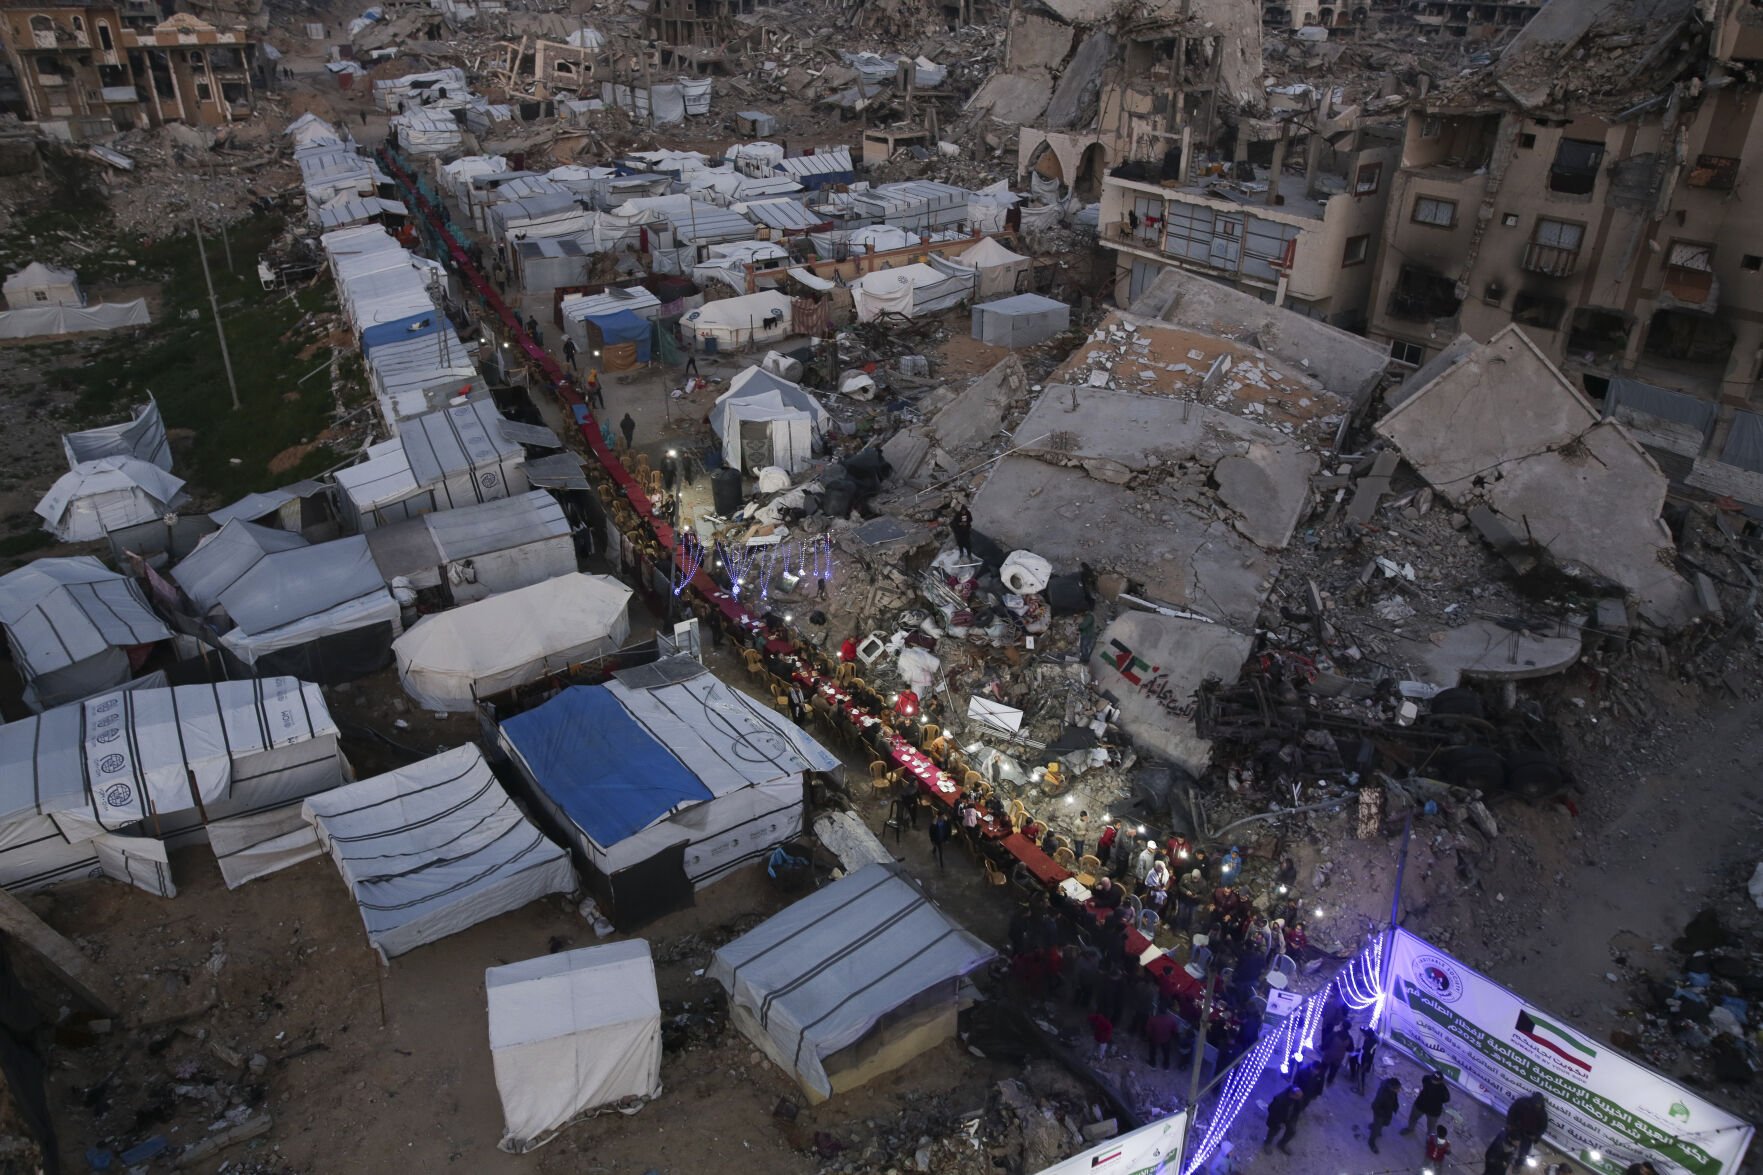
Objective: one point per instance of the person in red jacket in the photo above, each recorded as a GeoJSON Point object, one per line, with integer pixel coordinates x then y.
{"type": "Point", "coordinates": [1102, 1028]}
{"type": "Point", "coordinates": [1105, 842]}
{"type": "Point", "coordinates": [848, 649]}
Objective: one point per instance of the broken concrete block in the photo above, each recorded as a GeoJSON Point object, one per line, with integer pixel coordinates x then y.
{"type": "Point", "coordinates": [1707, 596]}
{"type": "Point", "coordinates": [1501, 538]}
{"type": "Point", "coordinates": [1612, 616]}
{"type": "Point", "coordinates": [1112, 472]}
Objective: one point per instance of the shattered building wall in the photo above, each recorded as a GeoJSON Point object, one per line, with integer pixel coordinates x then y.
{"type": "Point", "coordinates": [1590, 188]}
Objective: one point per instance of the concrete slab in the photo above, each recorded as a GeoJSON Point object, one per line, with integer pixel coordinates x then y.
{"type": "Point", "coordinates": [1486, 651]}
{"type": "Point", "coordinates": [1151, 666]}
{"type": "Point", "coordinates": [1503, 428]}
{"type": "Point", "coordinates": [980, 409]}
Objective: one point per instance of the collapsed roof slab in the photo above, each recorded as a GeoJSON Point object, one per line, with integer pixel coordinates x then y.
{"type": "Point", "coordinates": [1187, 499]}
{"type": "Point", "coordinates": [1502, 427]}
{"type": "Point", "coordinates": [1152, 666]}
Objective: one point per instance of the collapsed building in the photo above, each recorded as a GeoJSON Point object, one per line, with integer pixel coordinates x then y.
{"type": "Point", "coordinates": [1587, 187]}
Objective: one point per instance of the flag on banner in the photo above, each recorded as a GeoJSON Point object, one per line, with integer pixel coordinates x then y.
{"type": "Point", "coordinates": [1557, 1040]}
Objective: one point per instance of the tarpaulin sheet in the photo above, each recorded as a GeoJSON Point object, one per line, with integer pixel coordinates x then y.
{"type": "Point", "coordinates": [608, 774]}
{"type": "Point", "coordinates": [625, 327]}
{"type": "Point", "coordinates": [415, 326]}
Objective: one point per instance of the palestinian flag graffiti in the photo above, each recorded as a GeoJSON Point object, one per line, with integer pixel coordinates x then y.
{"type": "Point", "coordinates": [1557, 1040]}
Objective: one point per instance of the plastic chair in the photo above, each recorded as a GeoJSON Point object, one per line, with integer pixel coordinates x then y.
{"type": "Point", "coordinates": [1089, 866]}
{"type": "Point", "coordinates": [755, 663]}
{"type": "Point", "coordinates": [656, 486]}
{"type": "Point", "coordinates": [972, 779]}
{"type": "Point", "coordinates": [878, 769]}
{"type": "Point", "coordinates": [782, 702]}
{"type": "Point", "coordinates": [845, 672]}
{"type": "Point", "coordinates": [1065, 858]}
{"type": "Point", "coordinates": [1131, 902]}
{"type": "Point", "coordinates": [1285, 965]}
{"type": "Point", "coordinates": [1149, 921]}
{"type": "Point", "coordinates": [928, 734]}
{"type": "Point", "coordinates": [1200, 957]}
{"type": "Point", "coordinates": [994, 875]}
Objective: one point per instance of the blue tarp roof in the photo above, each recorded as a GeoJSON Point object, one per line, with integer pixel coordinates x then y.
{"type": "Point", "coordinates": [398, 330]}
{"type": "Point", "coordinates": [611, 777]}
{"type": "Point", "coordinates": [625, 326]}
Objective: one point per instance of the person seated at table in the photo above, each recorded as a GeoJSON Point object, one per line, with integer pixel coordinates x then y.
{"type": "Point", "coordinates": [881, 739]}
{"type": "Point", "coordinates": [995, 808]}
{"type": "Point", "coordinates": [1107, 895]}
{"type": "Point", "coordinates": [1049, 842]}
{"type": "Point", "coordinates": [1034, 829]}
{"type": "Point", "coordinates": [906, 704]}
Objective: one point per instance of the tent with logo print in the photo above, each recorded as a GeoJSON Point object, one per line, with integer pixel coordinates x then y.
{"type": "Point", "coordinates": [108, 784]}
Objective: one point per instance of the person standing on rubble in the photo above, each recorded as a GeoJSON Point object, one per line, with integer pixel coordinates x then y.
{"type": "Point", "coordinates": [1105, 843]}
{"type": "Point", "coordinates": [961, 526]}
{"type": "Point", "coordinates": [1190, 892]}
{"type": "Point", "coordinates": [628, 427]}
{"type": "Point", "coordinates": [569, 352]}
{"type": "Point", "coordinates": [1086, 636]}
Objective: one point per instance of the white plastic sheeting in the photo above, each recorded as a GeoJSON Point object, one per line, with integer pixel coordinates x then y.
{"type": "Point", "coordinates": [449, 660]}
{"type": "Point", "coordinates": [40, 285]}
{"type": "Point", "coordinates": [570, 1033]}
{"type": "Point", "coordinates": [454, 457]}
{"type": "Point", "coordinates": [70, 624]}
{"type": "Point", "coordinates": [142, 437]}
{"type": "Point", "coordinates": [997, 270]}
{"type": "Point", "coordinates": [1022, 320]}
{"type": "Point", "coordinates": [277, 591]}
{"type": "Point", "coordinates": [911, 291]}
{"type": "Point", "coordinates": [184, 756]}
{"type": "Point", "coordinates": [825, 973]}
{"type": "Point", "coordinates": [751, 320]}
{"type": "Point", "coordinates": [479, 550]}
{"type": "Point", "coordinates": [67, 320]}
{"type": "Point", "coordinates": [111, 493]}
{"type": "Point", "coordinates": [764, 419]}
{"type": "Point", "coordinates": [433, 848]}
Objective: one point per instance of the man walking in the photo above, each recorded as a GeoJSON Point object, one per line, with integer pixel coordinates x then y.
{"type": "Point", "coordinates": [1161, 1031]}
{"type": "Point", "coordinates": [1428, 1103]}
{"type": "Point", "coordinates": [1282, 1114]}
{"type": "Point", "coordinates": [1383, 1108]}
{"type": "Point", "coordinates": [940, 832]}
{"type": "Point", "coordinates": [569, 352]}
{"type": "Point", "coordinates": [596, 397]}
{"type": "Point", "coordinates": [1498, 1158]}
{"type": "Point", "coordinates": [628, 427]}
{"type": "Point", "coordinates": [1359, 1067]}
{"type": "Point", "coordinates": [798, 702]}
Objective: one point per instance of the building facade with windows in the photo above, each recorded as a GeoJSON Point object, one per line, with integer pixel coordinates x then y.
{"type": "Point", "coordinates": [1610, 225]}
{"type": "Point", "coordinates": [102, 67]}
{"type": "Point", "coordinates": [1299, 231]}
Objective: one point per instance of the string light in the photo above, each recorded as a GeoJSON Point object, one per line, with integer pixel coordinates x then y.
{"type": "Point", "coordinates": [688, 557]}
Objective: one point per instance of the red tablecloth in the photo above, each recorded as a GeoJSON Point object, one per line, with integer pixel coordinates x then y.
{"type": "Point", "coordinates": [1171, 976]}
{"type": "Point", "coordinates": [1045, 869]}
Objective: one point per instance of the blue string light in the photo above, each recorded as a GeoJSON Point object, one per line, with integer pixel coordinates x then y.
{"type": "Point", "coordinates": [688, 557]}
{"type": "Point", "coordinates": [1296, 1035]}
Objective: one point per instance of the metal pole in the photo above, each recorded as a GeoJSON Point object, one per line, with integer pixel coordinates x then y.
{"type": "Point", "coordinates": [1389, 947]}
{"type": "Point", "coordinates": [1193, 1107]}
{"type": "Point", "coordinates": [214, 303]}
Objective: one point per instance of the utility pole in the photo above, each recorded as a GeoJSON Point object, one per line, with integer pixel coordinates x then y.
{"type": "Point", "coordinates": [1389, 949]}
{"type": "Point", "coordinates": [214, 303]}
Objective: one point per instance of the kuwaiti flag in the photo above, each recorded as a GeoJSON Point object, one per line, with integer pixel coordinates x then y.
{"type": "Point", "coordinates": [1557, 1040]}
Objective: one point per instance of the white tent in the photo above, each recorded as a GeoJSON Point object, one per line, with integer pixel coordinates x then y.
{"type": "Point", "coordinates": [433, 848]}
{"type": "Point", "coordinates": [910, 291]}
{"type": "Point", "coordinates": [454, 457]}
{"type": "Point", "coordinates": [72, 625]}
{"type": "Point", "coordinates": [997, 268]}
{"type": "Point", "coordinates": [663, 781]}
{"type": "Point", "coordinates": [142, 437]}
{"type": "Point", "coordinates": [1020, 321]}
{"type": "Point", "coordinates": [117, 777]}
{"type": "Point", "coordinates": [481, 550]}
{"type": "Point", "coordinates": [286, 605]}
{"type": "Point", "coordinates": [747, 321]}
{"type": "Point", "coordinates": [449, 660]}
{"type": "Point", "coordinates": [570, 1033]}
{"type": "Point", "coordinates": [764, 420]}
{"type": "Point", "coordinates": [112, 493]}
{"type": "Point", "coordinates": [72, 320]}
{"type": "Point", "coordinates": [38, 285]}
{"type": "Point", "coordinates": [865, 980]}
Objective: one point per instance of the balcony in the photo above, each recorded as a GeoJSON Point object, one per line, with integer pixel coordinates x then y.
{"type": "Point", "coordinates": [1550, 260]}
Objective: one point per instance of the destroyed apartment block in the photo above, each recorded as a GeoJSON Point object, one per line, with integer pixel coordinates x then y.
{"type": "Point", "coordinates": [1586, 188]}
{"type": "Point", "coordinates": [1496, 427]}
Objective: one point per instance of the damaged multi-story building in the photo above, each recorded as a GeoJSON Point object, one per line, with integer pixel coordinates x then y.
{"type": "Point", "coordinates": [1589, 186]}
{"type": "Point", "coordinates": [95, 68]}
{"type": "Point", "coordinates": [1160, 111]}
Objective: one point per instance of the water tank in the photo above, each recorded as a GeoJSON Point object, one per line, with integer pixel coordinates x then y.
{"type": "Point", "coordinates": [725, 491]}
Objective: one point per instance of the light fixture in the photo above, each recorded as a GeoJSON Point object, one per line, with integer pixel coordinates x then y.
{"type": "Point", "coordinates": [1071, 799]}
{"type": "Point", "coordinates": [1530, 1160]}
{"type": "Point", "coordinates": [1182, 853]}
{"type": "Point", "coordinates": [1141, 830]}
{"type": "Point", "coordinates": [1319, 911]}
{"type": "Point", "coordinates": [1283, 889]}
{"type": "Point", "coordinates": [1596, 1156]}
{"type": "Point", "coordinates": [672, 453]}
{"type": "Point", "coordinates": [788, 617]}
